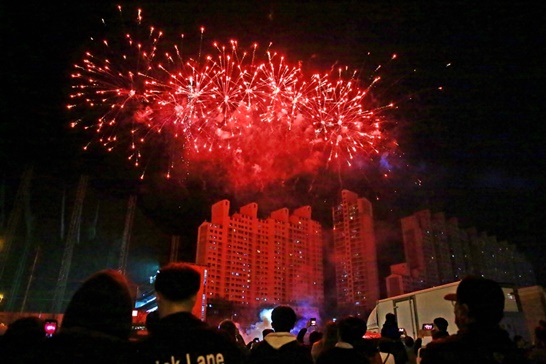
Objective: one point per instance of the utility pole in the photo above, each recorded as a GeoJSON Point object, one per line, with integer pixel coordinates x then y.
{"type": "Point", "coordinates": [71, 239]}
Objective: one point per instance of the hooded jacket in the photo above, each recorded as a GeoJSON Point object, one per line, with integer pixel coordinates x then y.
{"type": "Point", "coordinates": [280, 348]}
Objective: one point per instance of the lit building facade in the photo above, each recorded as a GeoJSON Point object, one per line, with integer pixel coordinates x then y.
{"type": "Point", "coordinates": [442, 250]}
{"type": "Point", "coordinates": [355, 255]}
{"type": "Point", "coordinates": [437, 252]}
{"type": "Point", "coordinates": [257, 262]}
{"type": "Point", "coordinates": [459, 249]}
{"type": "Point", "coordinates": [419, 248]}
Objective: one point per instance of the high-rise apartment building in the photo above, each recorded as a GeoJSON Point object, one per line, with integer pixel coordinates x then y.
{"type": "Point", "coordinates": [258, 262]}
{"type": "Point", "coordinates": [355, 256]}
{"type": "Point", "coordinates": [442, 251]}
{"type": "Point", "coordinates": [458, 248]}
{"type": "Point", "coordinates": [419, 247]}
{"type": "Point", "coordinates": [438, 252]}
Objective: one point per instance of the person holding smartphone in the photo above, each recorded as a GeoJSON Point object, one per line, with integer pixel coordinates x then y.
{"type": "Point", "coordinates": [18, 343]}
{"type": "Point", "coordinates": [390, 341]}
{"type": "Point", "coordinates": [50, 328]}
{"type": "Point", "coordinates": [439, 328]}
{"type": "Point", "coordinates": [95, 326]}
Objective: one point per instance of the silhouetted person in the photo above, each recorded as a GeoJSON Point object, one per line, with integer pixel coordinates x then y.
{"type": "Point", "coordinates": [152, 318]}
{"type": "Point", "coordinates": [537, 354]}
{"type": "Point", "coordinates": [256, 340]}
{"type": "Point", "coordinates": [479, 307]}
{"type": "Point", "coordinates": [390, 341]}
{"type": "Point", "coordinates": [328, 340]}
{"type": "Point", "coordinates": [351, 330]}
{"type": "Point", "coordinates": [390, 328]}
{"type": "Point", "coordinates": [409, 345]}
{"type": "Point", "coordinates": [314, 337]}
{"type": "Point", "coordinates": [266, 332]}
{"type": "Point", "coordinates": [439, 328]}
{"type": "Point", "coordinates": [281, 346]}
{"type": "Point", "coordinates": [228, 328]}
{"type": "Point", "coordinates": [251, 343]}
{"type": "Point", "coordinates": [179, 336]}
{"type": "Point", "coordinates": [21, 339]}
{"type": "Point", "coordinates": [96, 324]}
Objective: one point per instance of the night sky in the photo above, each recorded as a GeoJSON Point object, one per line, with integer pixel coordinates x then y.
{"type": "Point", "coordinates": [473, 149]}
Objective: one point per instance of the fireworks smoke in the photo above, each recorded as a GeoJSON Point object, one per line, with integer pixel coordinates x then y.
{"type": "Point", "coordinates": [249, 113]}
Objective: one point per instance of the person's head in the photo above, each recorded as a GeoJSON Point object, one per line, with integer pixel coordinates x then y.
{"type": "Point", "coordinates": [283, 318]}
{"type": "Point", "coordinates": [26, 329]}
{"type": "Point", "coordinates": [390, 319]}
{"type": "Point", "coordinates": [330, 332]}
{"type": "Point", "coordinates": [228, 327]}
{"type": "Point", "coordinates": [265, 332]}
{"type": "Point", "coordinates": [152, 318]}
{"type": "Point", "coordinates": [440, 324]}
{"type": "Point", "coordinates": [102, 303]}
{"type": "Point", "coordinates": [314, 337]}
{"type": "Point", "coordinates": [477, 301]}
{"type": "Point", "coordinates": [351, 329]}
{"type": "Point", "coordinates": [176, 286]}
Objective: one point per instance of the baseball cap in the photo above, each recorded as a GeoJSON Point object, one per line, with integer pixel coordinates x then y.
{"type": "Point", "coordinates": [484, 298]}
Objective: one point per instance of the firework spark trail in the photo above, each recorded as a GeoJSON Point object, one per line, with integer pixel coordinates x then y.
{"type": "Point", "coordinates": [265, 119]}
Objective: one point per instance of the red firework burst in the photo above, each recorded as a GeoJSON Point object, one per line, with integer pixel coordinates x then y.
{"type": "Point", "coordinates": [252, 111]}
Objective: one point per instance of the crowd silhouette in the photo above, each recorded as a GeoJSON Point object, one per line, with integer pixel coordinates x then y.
{"type": "Point", "coordinates": [97, 323]}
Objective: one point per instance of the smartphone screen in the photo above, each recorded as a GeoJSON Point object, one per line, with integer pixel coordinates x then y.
{"type": "Point", "coordinates": [427, 326]}
{"type": "Point", "coordinates": [313, 322]}
{"type": "Point", "coordinates": [50, 327]}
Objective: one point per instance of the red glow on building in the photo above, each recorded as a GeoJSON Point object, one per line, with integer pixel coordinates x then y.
{"type": "Point", "coordinates": [257, 262]}
{"type": "Point", "coordinates": [355, 255]}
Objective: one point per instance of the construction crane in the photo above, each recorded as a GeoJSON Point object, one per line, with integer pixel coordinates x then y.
{"type": "Point", "coordinates": [71, 239]}
{"type": "Point", "coordinates": [126, 240]}
{"type": "Point", "coordinates": [23, 257]}
{"type": "Point", "coordinates": [175, 244]}
{"type": "Point", "coordinates": [30, 279]}
{"type": "Point", "coordinates": [13, 220]}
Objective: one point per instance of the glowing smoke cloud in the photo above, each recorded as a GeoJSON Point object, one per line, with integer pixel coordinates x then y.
{"type": "Point", "coordinates": [250, 112]}
{"type": "Point", "coordinates": [256, 329]}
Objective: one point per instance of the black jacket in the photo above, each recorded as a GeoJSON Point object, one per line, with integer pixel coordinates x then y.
{"type": "Point", "coordinates": [82, 346]}
{"type": "Point", "coordinates": [337, 355]}
{"type": "Point", "coordinates": [183, 338]}
{"type": "Point", "coordinates": [477, 345]}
